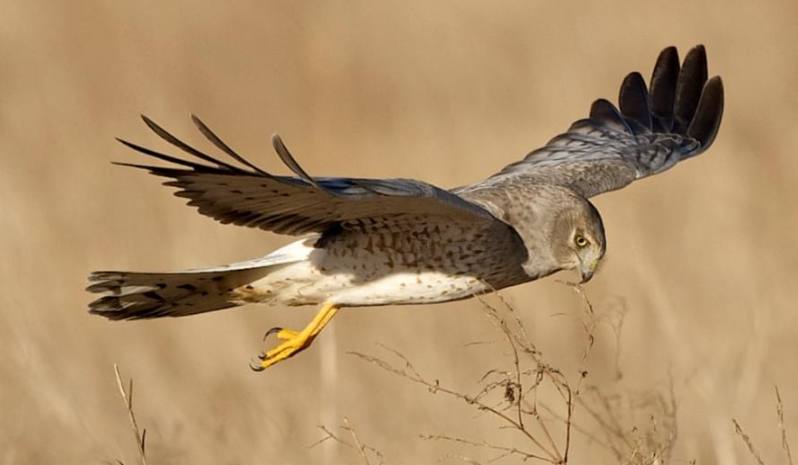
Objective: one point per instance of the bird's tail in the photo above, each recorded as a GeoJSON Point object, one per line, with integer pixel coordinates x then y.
{"type": "Point", "coordinates": [133, 295]}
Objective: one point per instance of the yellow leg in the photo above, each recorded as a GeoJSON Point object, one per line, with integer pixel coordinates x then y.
{"type": "Point", "coordinates": [296, 341]}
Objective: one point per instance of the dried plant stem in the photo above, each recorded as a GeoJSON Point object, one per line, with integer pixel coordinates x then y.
{"type": "Point", "coordinates": [361, 449]}
{"type": "Point", "coordinates": [576, 427]}
{"type": "Point", "coordinates": [328, 435]}
{"type": "Point", "coordinates": [515, 390]}
{"type": "Point", "coordinates": [409, 372]}
{"type": "Point", "coordinates": [739, 430]}
{"type": "Point", "coordinates": [780, 412]}
{"type": "Point", "coordinates": [506, 451]}
{"type": "Point", "coordinates": [529, 376]}
{"type": "Point", "coordinates": [127, 398]}
{"type": "Point", "coordinates": [516, 339]}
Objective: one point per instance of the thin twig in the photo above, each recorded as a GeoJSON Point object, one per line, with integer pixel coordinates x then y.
{"type": "Point", "coordinates": [361, 449]}
{"type": "Point", "coordinates": [576, 427]}
{"type": "Point", "coordinates": [780, 412]}
{"type": "Point", "coordinates": [589, 323]}
{"type": "Point", "coordinates": [329, 435]}
{"type": "Point", "coordinates": [568, 423]}
{"type": "Point", "coordinates": [507, 450]}
{"type": "Point", "coordinates": [516, 362]}
{"type": "Point", "coordinates": [127, 398]}
{"type": "Point", "coordinates": [512, 381]}
{"type": "Point", "coordinates": [513, 340]}
{"type": "Point", "coordinates": [614, 425]}
{"type": "Point", "coordinates": [519, 388]}
{"type": "Point", "coordinates": [462, 458]}
{"type": "Point", "coordinates": [520, 338]}
{"type": "Point", "coordinates": [581, 292]}
{"type": "Point", "coordinates": [436, 387]}
{"type": "Point", "coordinates": [747, 442]}
{"type": "Point", "coordinates": [617, 327]}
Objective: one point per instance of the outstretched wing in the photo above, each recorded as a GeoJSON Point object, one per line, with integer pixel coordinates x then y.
{"type": "Point", "coordinates": [243, 194]}
{"type": "Point", "coordinates": [654, 129]}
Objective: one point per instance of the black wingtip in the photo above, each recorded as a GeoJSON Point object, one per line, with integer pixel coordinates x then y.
{"type": "Point", "coordinates": [221, 145]}
{"type": "Point", "coordinates": [161, 156]}
{"type": "Point", "coordinates": [168, 137]}
{"type": "Point", "coordinates": [633, 100]}
{"type": "Point", "coordinates": [149, 122]}
{"type": "Point", "coordinates": [696, 62]}
{"type": "Point", "coordinates": [290, 161]}
{"type": "Point", "coordinates": [157, 129]}
{"type": "Point", "coordinates": [603, 110]}
{"type": "Point", "coordinates": [662, 90]}
{"type": "Point", "coordinates": [709, 113]}
{"type": "Point", "coordinates": [689, 86]}
{"type": "Point", "coordinates": [134, 165]}
{"type": "Point", "coordinates": [699, 48]}
{"type": "Point", "coordinates": [668, 51]}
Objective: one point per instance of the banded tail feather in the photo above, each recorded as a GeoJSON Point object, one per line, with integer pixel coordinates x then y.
{"type": "Point", "coordinates": [136, 295]}
{"type": "Point", "coordinates": [132, 296]}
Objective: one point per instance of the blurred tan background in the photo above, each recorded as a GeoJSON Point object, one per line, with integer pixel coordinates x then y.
{"type": "Point", "coordinates": [704, 256]}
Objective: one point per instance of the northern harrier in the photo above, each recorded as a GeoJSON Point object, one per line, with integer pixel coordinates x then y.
{"type": "Point", "coordinates": [402, 241]}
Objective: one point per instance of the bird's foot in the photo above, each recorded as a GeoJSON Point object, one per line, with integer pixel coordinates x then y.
{"type": "Point", "coordinates": [293, 341]}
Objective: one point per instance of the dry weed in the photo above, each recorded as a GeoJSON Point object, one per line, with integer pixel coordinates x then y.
{"type": "Point", "coordinates": [127, 398]}
{"type": "Point", "coordinates": [364, 450]}
{"type": "Point", "coordinates": [749, 444]}
{"type": "Point", "coordinates": [636, 428]}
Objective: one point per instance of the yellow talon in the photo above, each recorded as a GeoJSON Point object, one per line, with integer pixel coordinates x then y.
{"type": "Point", "coordinates": [287, 334]}
{"type": "Point", "coordinates": [296, 341]}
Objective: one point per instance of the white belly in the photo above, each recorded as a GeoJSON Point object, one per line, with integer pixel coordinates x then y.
{"type": "Point", "coordinates": [351, 282]}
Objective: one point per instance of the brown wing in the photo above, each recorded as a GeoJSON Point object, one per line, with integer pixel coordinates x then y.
{"type": "Point", "coordinates": [246, 195]}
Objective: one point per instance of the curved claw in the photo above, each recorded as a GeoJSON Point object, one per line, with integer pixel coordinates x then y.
{"type": "Point", "coordinates": [256, 366]}
{"type": "Point", "coordinates": [274, 330]}
{"type": "Point", "coordinates": [293, 341]}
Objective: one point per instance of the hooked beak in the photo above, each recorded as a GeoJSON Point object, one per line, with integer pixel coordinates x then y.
{"type": "Point", "coordinates": [586, 269]}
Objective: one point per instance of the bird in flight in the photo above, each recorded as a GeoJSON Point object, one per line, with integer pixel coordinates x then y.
{"type": "Point", "coordinates": [369, 242]}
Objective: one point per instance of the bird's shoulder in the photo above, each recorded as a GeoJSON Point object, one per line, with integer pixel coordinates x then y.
{"type": "Point", "coordinates": [510, 197]}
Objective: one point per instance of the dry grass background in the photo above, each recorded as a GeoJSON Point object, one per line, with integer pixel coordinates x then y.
{"type": "Point", "coordinates": [704, 257]}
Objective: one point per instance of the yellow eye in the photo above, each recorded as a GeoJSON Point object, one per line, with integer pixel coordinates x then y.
{"type": "Point", "coordinates": [580, 241]}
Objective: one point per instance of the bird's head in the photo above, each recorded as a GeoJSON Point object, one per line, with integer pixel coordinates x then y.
{"type": "Point", "coordinates": [578, 238]}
